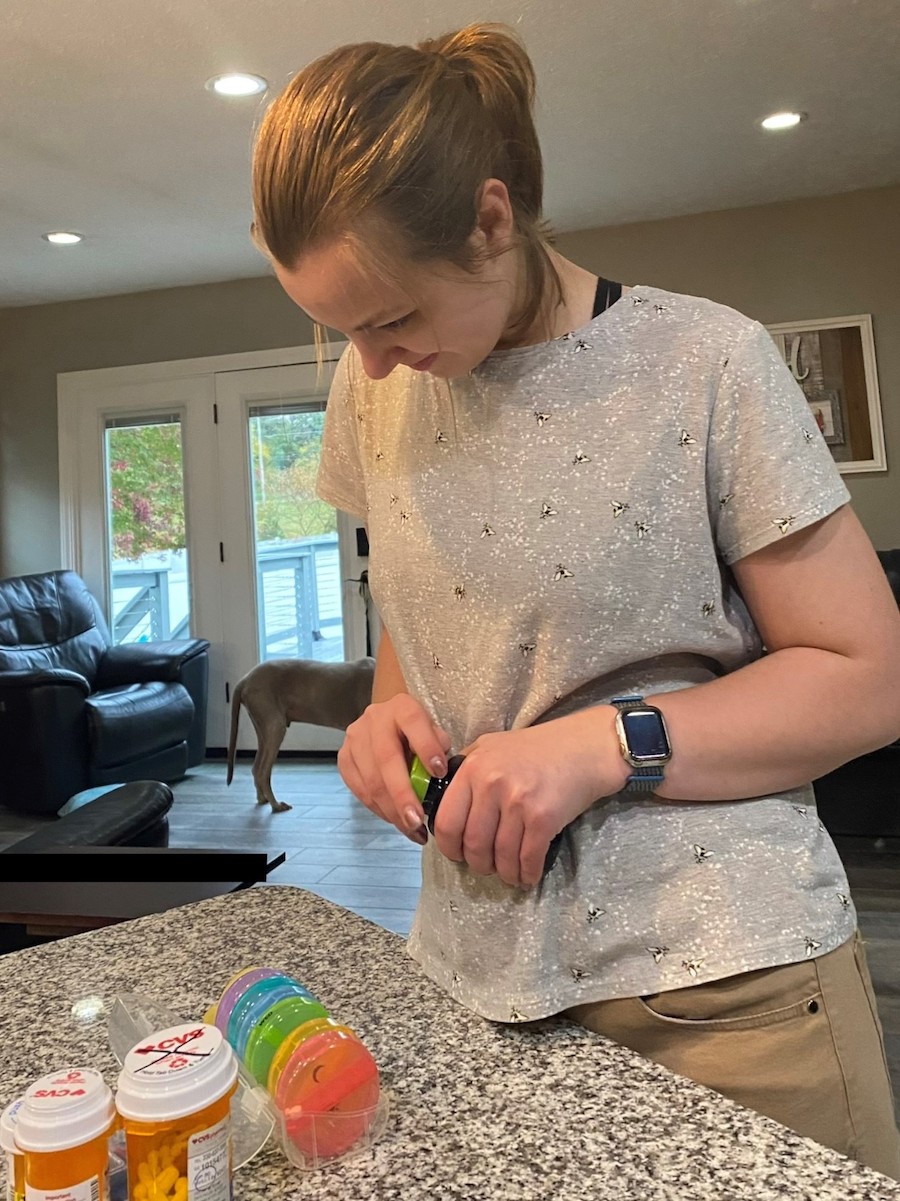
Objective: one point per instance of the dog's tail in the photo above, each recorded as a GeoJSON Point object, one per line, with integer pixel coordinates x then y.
{"type": "Point", "coordinates": [235, 717]}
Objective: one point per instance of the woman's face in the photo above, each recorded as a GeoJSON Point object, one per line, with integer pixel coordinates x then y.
{"type": "Point", "coordinates": [438, 318]}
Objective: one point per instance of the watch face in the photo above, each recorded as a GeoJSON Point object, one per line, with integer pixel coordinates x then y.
{"type": "Point", "coordinates": [646, 735]}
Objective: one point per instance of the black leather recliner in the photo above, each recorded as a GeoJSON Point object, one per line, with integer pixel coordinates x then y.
{"type": "Point", "coordinates": [77, 712]}
{"type": "Point", "coordinates": [862, 798]}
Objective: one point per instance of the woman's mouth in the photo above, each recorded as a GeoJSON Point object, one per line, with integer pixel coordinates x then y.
{"type": "Point", "coordinates": [424, 364]}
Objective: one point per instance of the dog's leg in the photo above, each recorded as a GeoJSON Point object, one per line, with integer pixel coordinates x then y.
{"type": "Point", "coordinates": [270, 732]}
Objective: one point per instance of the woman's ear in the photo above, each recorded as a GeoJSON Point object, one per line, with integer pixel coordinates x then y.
{"type": "Point", "coordinates": [494, 221]}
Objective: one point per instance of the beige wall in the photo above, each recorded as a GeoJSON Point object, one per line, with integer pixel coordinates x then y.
{"type": "Point", "coordinates": [829, 257]}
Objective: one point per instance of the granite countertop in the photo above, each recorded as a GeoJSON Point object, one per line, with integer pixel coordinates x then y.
{"type": "Point", "coordinates": [479, 1112]}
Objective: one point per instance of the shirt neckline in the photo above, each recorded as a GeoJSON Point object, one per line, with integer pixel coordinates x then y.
{"type": "Point", "coordinates": [497, 357]}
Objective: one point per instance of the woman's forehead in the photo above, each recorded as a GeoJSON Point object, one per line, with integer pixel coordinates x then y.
{"type": "Point", "coordinates": [336, 287]}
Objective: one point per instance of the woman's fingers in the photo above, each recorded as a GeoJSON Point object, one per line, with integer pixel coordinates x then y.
{"type": "Point", "coordinates": [374, 760]}
{"type": "Point", "coordinates": [508, 848]}
{"type": "Point", "coordinates": [352, 777]}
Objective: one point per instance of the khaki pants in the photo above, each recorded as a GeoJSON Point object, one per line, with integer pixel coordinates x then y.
{"type": "Point", "coordinates": [800, 1043]}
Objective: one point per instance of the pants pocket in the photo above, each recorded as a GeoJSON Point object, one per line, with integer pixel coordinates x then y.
{"type": "Point", "coordinates": [751, 1001]}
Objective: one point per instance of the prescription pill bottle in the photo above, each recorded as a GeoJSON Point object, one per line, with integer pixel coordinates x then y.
{"type": "Point", "coordinates": [63, 1125]}
{"type": "Point", "coordinates": [174, 1097]}
{"type": "Point", "coordinates": [15, 1157]}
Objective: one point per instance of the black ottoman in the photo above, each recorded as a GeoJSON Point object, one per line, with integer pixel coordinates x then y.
{"type": "Point", "coordinates": [132, 815]}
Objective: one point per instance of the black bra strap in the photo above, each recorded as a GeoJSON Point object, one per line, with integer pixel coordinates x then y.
{"type": "Point", "coordinates": [607, 293]}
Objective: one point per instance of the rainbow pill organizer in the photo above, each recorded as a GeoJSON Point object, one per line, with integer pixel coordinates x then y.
{"type": "Point", "coordinates": [301, 1073]}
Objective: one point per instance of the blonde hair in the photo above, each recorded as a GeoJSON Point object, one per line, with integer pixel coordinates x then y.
{"type": "Point", "coordinates": [396, 142]}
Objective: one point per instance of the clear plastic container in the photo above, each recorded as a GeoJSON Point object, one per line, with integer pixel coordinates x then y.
{"type": "Point", "coordinates": [174, 1097]}
{"type": "Point", "coordinates": [64, 1126]}
{"type": "Point", "coordinates": [15, 1157]}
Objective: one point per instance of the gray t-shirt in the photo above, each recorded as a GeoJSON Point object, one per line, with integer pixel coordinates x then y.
{"type": "Point", "coordinates": [557, 529]}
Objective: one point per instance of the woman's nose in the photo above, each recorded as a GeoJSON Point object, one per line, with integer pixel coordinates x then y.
{"type": "Point", "coordinates": [379, 363]}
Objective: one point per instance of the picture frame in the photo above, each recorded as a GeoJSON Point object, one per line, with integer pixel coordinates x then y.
{"type": "Point", "coordinates": [833, 362]}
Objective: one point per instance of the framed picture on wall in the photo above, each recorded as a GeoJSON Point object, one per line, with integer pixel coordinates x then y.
{"type": "Point", "coordinates": [833, 361]}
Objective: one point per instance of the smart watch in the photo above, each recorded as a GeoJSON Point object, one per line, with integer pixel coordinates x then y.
{"type": "Point", "coordinates": [644, 741]}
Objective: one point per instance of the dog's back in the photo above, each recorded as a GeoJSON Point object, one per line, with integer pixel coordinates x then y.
{"type": "Point", "coordinates": [307, 690]}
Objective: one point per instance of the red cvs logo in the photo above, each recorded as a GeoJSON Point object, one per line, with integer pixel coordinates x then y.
{"type": "Point", "coordinates": [168, 1047]}
{"type": "Point", "coordinates": [62, 1086]}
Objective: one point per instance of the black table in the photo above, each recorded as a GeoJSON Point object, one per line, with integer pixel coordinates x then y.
{"type": "Point", "coordinates": [74, 889]}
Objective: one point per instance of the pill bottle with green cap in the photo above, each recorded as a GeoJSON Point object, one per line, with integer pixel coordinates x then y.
{"type": "Point", "coordinates": [63, 1126]}
{"type": "Point", "coordinates": [174, 1096]}
{"type": "Point", "coordinates": [15, 1157]}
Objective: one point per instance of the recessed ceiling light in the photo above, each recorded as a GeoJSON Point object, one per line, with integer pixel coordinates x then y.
{"type": "Point", "coordinates": [783, 120]}
{"type": "Point", "coordinates": [237, 84]}
{"type": "Point", "coordinates": [62, 238]}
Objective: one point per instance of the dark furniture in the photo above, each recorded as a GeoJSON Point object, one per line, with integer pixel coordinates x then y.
{"type": "Point", "coordinates": [76, 711]}
{"type": "Point", "coordinates": [862, 798]}
{"type": "Point", "coordinates": [132, 815]}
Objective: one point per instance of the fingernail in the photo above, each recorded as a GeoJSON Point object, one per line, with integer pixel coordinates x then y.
{"type": "Point", "coordinates": [412, 819]}
{"type": "Point", "coordinates": [419, 836]}
{"type": "Point", "coordinates": [438, 766]}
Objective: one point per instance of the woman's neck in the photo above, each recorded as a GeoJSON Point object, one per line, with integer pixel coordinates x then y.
{"type": "Point", "coordinates": [579, 288]}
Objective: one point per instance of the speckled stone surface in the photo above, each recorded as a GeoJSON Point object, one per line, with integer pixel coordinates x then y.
{"type": "Point", "coordinates": [479, 1112]}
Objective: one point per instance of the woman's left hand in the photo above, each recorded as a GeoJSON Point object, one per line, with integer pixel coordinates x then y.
{"type": "Point", "coordinates": [517, 789]}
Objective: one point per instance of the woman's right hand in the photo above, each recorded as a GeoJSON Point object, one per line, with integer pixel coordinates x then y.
{"type": "Point", "coordinates": [375, 759]}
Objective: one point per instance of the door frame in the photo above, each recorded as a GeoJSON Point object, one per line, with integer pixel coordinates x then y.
{"type": "Point", "coordinates": [82, 515]}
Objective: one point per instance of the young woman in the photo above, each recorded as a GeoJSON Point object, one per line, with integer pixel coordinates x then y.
{"type": "Point", "coordinates": [590, 508]}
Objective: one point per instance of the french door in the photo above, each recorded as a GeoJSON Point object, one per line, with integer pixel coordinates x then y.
{"type": "Point", "coordinates": [188, 506]}
{"type": "Point", "coordinates": [292, 582]}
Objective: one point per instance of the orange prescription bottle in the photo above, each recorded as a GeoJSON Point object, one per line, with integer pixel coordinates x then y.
{"type": "Point", "coordinates": [63, 1127]}
{"type": "Point", "coordinates": [174, 1096]}
{"type": "Point", "coordinates": [15, 1157]}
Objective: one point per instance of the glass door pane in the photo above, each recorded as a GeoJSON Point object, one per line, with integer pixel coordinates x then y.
{"type": "Point", "coordinates": [147, 551]}
{"type": "Point", "coordinates": [298, 583]}
{"type": "Point", "coordinates": [290, 565]}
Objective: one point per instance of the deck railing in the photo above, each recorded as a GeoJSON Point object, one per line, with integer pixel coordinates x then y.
{"type": "Point", "coordinates": [298, 592]}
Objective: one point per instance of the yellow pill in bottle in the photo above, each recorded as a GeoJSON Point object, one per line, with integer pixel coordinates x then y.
{"type": "Point", "coordinates": [174, 1098]}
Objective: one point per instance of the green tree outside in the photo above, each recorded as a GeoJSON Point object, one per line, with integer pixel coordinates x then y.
{"type": "Point", "coordinates": [147, 487]}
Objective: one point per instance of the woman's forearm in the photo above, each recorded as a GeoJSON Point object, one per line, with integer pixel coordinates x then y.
{"type": "Point", "coordinates": [775, 724]}
{"type": "Point", "coordinates": [388, 676]}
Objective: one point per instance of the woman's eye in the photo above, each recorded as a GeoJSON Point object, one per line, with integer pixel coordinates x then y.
{"type": "Point", "coordinates": [398, 324]}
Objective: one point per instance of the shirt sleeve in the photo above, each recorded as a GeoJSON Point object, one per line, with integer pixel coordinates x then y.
{"type": "Point", "coordinates": [341, 480]}
{"type": "Point", "coordinates": [769, 470]}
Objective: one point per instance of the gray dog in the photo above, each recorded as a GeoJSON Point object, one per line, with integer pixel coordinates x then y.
{"type": "Point", "coordinates": [285, 690]}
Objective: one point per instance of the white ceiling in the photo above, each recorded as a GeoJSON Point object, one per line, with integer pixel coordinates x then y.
{"type": "Point", "coordinates": [647, 109]}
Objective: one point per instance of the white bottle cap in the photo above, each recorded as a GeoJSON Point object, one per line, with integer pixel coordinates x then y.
{"type": "Point", "coordinates": [8, 1128]}
{"type": "Point", "coordinates": [64, 1109]}
{"type": "Point", "coordinates": [175, 1072]}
